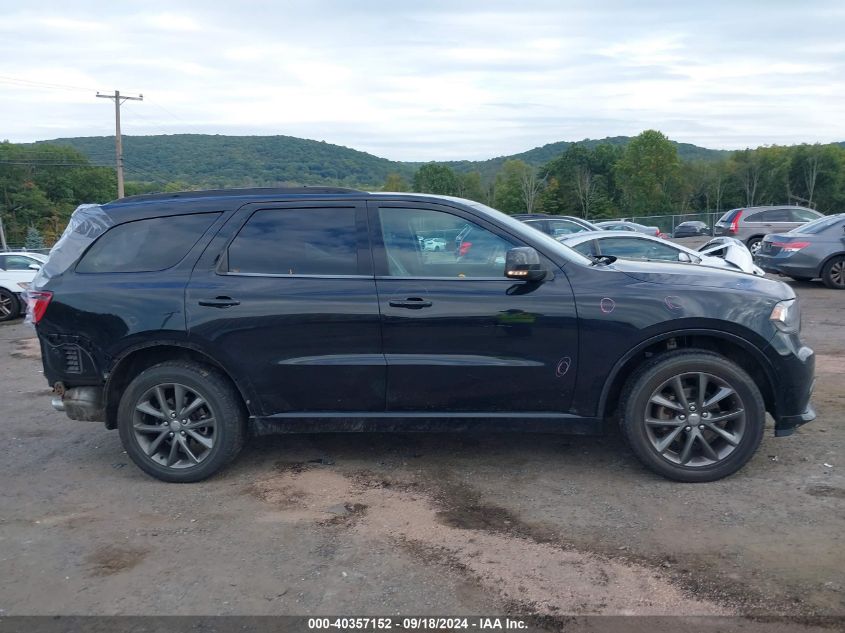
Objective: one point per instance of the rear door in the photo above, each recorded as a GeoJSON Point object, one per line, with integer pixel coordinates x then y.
{"type": "Point", "coordinates": [285, 297]}
{"type": "Point", "coordinates": [779, 221]}
{"type": "Point", "coordinates": [459, 336]}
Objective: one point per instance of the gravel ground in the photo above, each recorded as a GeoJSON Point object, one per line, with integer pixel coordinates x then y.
{"type": "Point", "coordinates": [420, 523]}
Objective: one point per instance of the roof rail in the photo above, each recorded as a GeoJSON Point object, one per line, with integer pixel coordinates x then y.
{"type": "Point", "coordinates": [252, 191]}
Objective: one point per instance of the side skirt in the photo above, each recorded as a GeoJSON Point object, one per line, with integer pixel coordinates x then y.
{"type": "Point", "coordinates": [424, 422]}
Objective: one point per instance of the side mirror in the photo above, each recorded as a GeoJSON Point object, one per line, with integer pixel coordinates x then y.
{"type": "Point", "coordinates": [34, 267]}
{"type": "Point", "coordinates": [524, 263]}
{"type": "Point", "coordinates": [684, 257]}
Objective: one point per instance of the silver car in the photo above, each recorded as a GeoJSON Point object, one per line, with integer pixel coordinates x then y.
{"type": "Point", "coordinates": [752, 224]}
{"type": "Point", "coordinates": [630, 245]}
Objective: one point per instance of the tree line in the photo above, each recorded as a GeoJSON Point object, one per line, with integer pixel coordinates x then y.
{"type": "Point", "coordinates": [41, 184]}
{"type": "Point", "coordinates": [647, 177]}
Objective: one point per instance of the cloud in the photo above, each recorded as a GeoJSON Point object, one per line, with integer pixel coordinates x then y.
{"type": "Point", "coordinates": [436, 80]}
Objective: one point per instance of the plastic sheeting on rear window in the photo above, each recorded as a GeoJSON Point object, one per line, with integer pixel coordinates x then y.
{"type": "Point", "coordinates": [86, 224]}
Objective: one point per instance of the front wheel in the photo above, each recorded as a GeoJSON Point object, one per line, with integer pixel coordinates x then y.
{"type": "Point", "coordinates": [693, 416]}
{"type": "Point", "coordinates": [754, 244]}
{"type": "Point", "coordinates": [9, 305]}
{"type": "Point", "coordinates": [181, 421]}
{"type": "Point", "coordinates": [833, 274]}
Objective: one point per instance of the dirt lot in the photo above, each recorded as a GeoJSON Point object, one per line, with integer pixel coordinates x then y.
{"type": "Point", "coordinates": [420, 523]}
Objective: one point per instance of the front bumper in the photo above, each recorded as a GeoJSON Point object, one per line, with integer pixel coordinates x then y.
{"type": "Point", "coordinates": [794, 366]}
{"type": "Point", "coordinates": [787, 424]}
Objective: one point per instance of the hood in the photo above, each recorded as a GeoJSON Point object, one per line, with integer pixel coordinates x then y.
{"type": "Point", "coordinates": [702, 276]}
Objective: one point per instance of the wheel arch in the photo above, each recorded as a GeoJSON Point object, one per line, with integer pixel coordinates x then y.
{"type": "Point", "coordinates": [734, 347]}
{"type": "Point", "coordinates": [827, 260]}
{"type": "Point", "coordinates": [140, 357]}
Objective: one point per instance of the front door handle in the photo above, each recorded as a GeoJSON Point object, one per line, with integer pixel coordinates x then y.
{"type": "Point", "coordinates": [414, 303]}
{"type": "Point", "coordinates": [219, 302]}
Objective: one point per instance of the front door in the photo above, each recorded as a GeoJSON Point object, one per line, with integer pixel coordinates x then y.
{"type": "Point", "coordinates": [457, 335]}
{"type": "Point", "coordinates": [284, 295]}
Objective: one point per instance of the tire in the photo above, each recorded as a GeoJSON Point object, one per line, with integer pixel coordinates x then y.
{"type": "Point", "coordinates": [833, 273]}
{"type": "Point", "coordinates": [743, 407]}
{"type": "Point", "coordinates": [753, 244]}
{"type": "Point", "coordinates": [149, 434]}
{"type": "Point", "coordinates": [10, 307]}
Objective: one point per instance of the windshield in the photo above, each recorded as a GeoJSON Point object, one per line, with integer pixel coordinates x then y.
{"type": "Point", "coordinates": [820, 225]}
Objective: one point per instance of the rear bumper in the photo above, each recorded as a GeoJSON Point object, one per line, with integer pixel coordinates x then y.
{"type": "Point", "coordinates": [789, 264]}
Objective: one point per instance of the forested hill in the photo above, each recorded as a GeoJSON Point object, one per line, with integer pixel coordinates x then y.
{"type": "Point", "coordinates": [227, 161]}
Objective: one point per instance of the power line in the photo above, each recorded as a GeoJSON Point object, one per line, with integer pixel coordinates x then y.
{"type": "Point", "coordinates": [42, 84]}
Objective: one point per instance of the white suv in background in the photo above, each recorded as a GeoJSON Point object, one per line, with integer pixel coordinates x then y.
{"type": "Point", "coordinates": [16, 273]}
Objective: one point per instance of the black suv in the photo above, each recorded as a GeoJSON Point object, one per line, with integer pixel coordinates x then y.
{"type": "Point", "coordinates": [186, 320]}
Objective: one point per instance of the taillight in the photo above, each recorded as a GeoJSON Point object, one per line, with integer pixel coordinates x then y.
{"type": "Point", "coordinates": [36, 304]}
{"type": "Point", "coordinates": [465, 246]}
{"type": "Point", "coordinates": [735, 222]}
{"type": "Point", "coordinates": [790, 246]}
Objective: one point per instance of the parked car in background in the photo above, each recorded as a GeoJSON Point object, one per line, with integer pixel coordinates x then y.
{"type": "Point", "coordinates": [629, 245]}
{"type": "Point", "coordinates": [691, 228]}
{"type": "Point", "coordinates": [315, 309]}
{"type": "Point", "coordinates": [555, 225]}
{"type": "Point", "coordinates": [434, 244]}
{"type": "Point", "coordinates": [16, 272]}
{"type": "Point", "coordinates": [752, 224]}
{"type": "Point", "coordinates": [624, 225]}
{"type": "Point", "coordinates": [816, 249]}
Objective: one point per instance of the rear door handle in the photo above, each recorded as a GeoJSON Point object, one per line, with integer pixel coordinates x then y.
{"type": "Point", "coordinates": [219, 302]}
{"type": "Point", "coordinates": [414, 303]}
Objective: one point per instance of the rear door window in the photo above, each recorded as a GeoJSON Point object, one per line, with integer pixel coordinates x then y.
{"type": "Point", "coordinates": [564, 227]}
{"type": "Point", "coordinates": [803, 215]}
{"type": "Point", "coordinates": [145, 245]}
{"type": "Point", "coordinates": [777, 215]}
{"type": "Point", "coordinates": [313, 241]}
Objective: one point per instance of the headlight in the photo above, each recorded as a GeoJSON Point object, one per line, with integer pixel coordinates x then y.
{"type": "Point", "coordinates": [786, 315]}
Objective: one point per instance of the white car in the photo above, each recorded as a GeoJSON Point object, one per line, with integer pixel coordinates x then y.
{"type": "Point", "coordinates": [16, 273]}
{"type": "Point", "coordinates": [434, 244]}
{"type": "Point", "coordinates": [630, 245]}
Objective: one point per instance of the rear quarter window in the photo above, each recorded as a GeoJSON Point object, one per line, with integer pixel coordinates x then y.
{"type": "Point", "coordinates": [145, 245]}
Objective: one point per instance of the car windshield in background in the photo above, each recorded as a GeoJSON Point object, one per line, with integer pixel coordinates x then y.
{"type": "Point", "coordinates": [820, 225]}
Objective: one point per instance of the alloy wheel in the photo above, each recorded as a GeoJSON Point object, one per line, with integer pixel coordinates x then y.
{"type": "Point", "coordinates": [695, 419]}
{"type": "Point", "coordinates": [5, 305]}
{"type": "Point", "coordinates": [837, 272]}
{"type": "Point", "coordinates": [174, 425]}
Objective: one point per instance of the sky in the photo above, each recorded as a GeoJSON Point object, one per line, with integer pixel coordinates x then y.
{"type": "Point", "coordinates": [428, 80]}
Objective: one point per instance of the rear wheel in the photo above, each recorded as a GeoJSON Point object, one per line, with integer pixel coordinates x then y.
{"type": "Point", "coordinates": [692, 416]}
{"type": "Point", "coordinates": [181, 421]}
{"type": "Point", "coordinates": [9, 305]}
{"type": "Point", "coordinates": [833, 274]}
{"type": "Point", "coordinates": [754, 244]}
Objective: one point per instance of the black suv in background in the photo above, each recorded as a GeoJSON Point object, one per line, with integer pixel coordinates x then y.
{"type": "Point", "coordinates": [186, 320]}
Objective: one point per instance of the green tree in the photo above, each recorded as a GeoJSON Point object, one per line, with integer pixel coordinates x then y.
{"type": "Point", "coordinates": [508, 189]}
{"type": "Point", "coordinates": [34, 241]}
{"type": "Point", "coordinates": [394, 182]}
{"type": "Point", "coordinates": [434, 178]}
{"type": "Point", "coordinates": [580, 182]}
{"type": "Point", "coordinates": [649, 174]}
{"type": "Point", "coordinates": [471, 187]}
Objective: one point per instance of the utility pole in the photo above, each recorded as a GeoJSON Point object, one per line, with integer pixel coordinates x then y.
{"type": "Point", "coordinates": [118, 100]}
